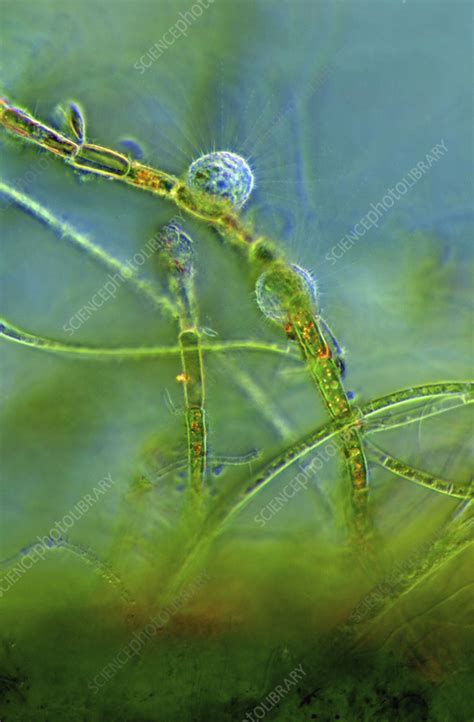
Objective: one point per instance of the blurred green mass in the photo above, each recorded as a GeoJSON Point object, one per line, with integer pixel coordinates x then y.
{"type": "Point", "coordinates": [330, 112]}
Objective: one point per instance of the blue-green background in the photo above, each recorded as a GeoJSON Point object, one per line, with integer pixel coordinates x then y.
{"type": "Point", "coordinates": [333, 103]}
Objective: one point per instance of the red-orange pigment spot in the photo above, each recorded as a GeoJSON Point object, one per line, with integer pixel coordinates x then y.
{"type": "Point", "coordinates": [141, 177]}
{"type": "Point", "coordinates": [183, 378]}
{"type": "Point", "coordinates": [308, 331]}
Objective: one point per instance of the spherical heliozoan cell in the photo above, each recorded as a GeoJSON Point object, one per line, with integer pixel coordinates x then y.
{"type": "Point", "coordinates": [222, 174]}
{"type": "Point", "coordinates": [273, 292]}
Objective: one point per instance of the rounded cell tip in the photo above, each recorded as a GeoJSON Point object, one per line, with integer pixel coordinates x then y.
{"type": "Point", "coordinates": [271, 292]}
{"type": "Point", "coordinates": [176, 248]}
{"type": "Point", "coordinates": [222, 174]}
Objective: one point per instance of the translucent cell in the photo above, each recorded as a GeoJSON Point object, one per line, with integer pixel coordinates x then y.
{"type": "Point", "coordinates": [269, 293]}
